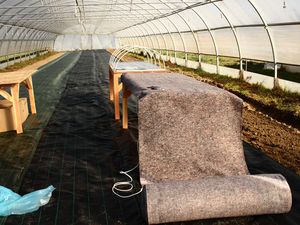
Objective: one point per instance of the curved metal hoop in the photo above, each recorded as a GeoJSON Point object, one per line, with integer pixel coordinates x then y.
{"type": "Point", "coordinates": [152, 55]}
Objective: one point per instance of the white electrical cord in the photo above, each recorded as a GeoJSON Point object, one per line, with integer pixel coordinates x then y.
{"type": "Point", "coordinates": [116, 186]}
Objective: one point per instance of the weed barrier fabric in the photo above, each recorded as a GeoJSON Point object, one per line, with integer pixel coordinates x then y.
{"type": "Point", "coordinates": [17, 150]}
{"type": "Point", "coordinates": [82, 150]}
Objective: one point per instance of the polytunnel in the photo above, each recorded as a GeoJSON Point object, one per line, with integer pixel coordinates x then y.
{"type": "Point", "coordinates": [149, 112]}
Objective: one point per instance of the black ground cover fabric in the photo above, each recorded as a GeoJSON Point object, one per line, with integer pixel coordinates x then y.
{"type": "Point", "coordinates": [16, 150]}
{"type": "Point", "coordinates": [83, 148]}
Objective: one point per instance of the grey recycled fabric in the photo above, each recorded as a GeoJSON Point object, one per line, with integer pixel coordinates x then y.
{"type": "Point", "coordinates": [191, 154]}
{"type": "Point", "coordinates": [187, 129]}
{"type": "Point", "coordinates": [217, 197]}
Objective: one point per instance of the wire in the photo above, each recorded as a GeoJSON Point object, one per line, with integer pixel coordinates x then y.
{"type": "Point", "coordinates": [116, 186]}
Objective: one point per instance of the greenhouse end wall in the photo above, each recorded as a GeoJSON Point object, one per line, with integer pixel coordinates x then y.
{"type": "Point", "coordinates": [71, 42]}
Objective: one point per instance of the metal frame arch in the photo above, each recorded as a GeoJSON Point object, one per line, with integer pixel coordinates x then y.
{"type": "Point", "coordinates": [1, 27]}
{"type": "Point", "coordinates": [21, 40]}
{"type": "Point", "coordinates": [235, 36]}
{"type": "Point", "coordinates": [13, 39]}
{"type": "Point", "coordinates": [182, 39]}
{"type": "Point", "coordinates": [155, 24]}
{"type": "Point", "coordinates": [276, 82]}
{"type": "Point", "coordinates": [136, 34]}
{"type": "Point", "coordinates": [193, 33]}
{"type": "Point", "coordinates": [120, 37]}
{"type": "Point", "coordinates": [143, 27]}
{"type": "Point", "coordinates": [132, 34]}
{"type": "Point", "coordinates": [137, 30]}
{"type": "Point", "coordinates": [32, 44]}
{"type": "Point", "coordinates": [167, 17]}
{"type": "Point", "coordinates": [147, 34]}
{"type": "Point", "coordinates": [31, 39]}
{"type": "Point", "coordinates": [8, 30]}
{"type": "Point", "coordinates": [22, 18]}
{"type": "Point", "coordinates": [213, 39]}
{"type": "Point", "coordinates": [163, 37]}
{"type": "Point", "coordinates": [40, 40]}
{"type": "Point", "coordinates": [154, 34]}
{"type": "Point", "coordinates": [130, 38]}
{"type": "Point", "coordinates": [172, 39]}
{"type": "Point", "coordinates": [28, 43]}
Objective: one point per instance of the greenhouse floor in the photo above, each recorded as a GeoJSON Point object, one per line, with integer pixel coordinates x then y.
{"type": "Point", "coordinates": [74, 144]}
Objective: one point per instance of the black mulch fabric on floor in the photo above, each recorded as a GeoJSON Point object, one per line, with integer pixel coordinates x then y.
{"type": "Point", "coordinates": [16, 150]}
{"type": "Point", "coordinates": [82, 149]}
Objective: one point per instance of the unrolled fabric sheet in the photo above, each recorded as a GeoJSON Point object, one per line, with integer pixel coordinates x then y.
{"type": "Point", "coordinates": [217, 197]}
{"type": "Point", "coordinates": [187, 129]}
{"type": "Point", "coordinates": [191, 155]}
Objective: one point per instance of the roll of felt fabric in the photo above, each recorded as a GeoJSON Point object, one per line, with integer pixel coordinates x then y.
{"type": "Point", "coordinates": [217, 197]}
{"type": "Point", "coordinates": [191, 156]}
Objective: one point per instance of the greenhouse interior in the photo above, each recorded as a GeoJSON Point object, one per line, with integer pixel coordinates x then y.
{"type": "Point", "coordinates": [135, 112]}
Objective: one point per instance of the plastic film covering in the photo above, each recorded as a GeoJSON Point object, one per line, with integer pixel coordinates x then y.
{"type": "Point", "coordinates": [83, 42]}
{"type": "Point", "coordinates": [250, 29]}
{"type": "Point", "coordinates": [247, 29]}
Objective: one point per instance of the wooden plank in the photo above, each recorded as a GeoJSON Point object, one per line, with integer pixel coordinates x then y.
{"type": "Point", "coordinates": [5, 95]}
{"type": "Point", "coordinates": [115, 87]}
{"type": "Point", "coordinates": [116, 97]}
{"type": "Point", "coordinates": [31, 95]}
{"type": "Point", "coordinates": [16, 108]}
{"type": "Point", "coordinates": [126, 94]}
{"type": "Point", "coordinates": [111, 84]}
{"type": "Point", "coordinates": [15, 77]}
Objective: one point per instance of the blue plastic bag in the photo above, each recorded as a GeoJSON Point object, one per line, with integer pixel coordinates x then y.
{"type": "Point", "coordinates": [12, 203]}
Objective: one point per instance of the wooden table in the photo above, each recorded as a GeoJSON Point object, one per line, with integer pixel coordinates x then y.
{"type": "Point", "coordinates": [12, 80]}
{"type": "Point", "coordinates": [116, 71]}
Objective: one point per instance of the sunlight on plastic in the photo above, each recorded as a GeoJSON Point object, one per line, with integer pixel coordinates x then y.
{"type": "Point", "coordinates": [12, 203]}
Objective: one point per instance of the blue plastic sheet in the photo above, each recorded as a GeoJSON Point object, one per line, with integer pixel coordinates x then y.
{"type": "Point", "coordinates": [12, 203]}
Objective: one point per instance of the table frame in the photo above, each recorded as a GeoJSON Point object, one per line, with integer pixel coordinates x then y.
{"type": "Point", "coordinates": [13, 97]}
{"type": "Point", "coordinates": [115, 87]}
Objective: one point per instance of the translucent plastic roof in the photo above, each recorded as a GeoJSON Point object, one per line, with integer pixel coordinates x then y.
{"type": "Point", "coordinates": [266, 30]}
{"type": "Point", "coordinates": [86, 16]}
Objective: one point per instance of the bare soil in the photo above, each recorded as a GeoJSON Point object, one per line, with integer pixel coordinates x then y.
{"type": "Point", "coordinates": [277, 140]}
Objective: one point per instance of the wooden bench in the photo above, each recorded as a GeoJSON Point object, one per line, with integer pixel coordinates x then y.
{"type": "Point", "coordinates": [115, 72]}
{"type": "Point", "coordinates": [12, 81]}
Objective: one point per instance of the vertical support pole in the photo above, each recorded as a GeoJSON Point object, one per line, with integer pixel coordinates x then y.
{"type": "Point", "coordinates": [116, 95]}
{"type": "Point", "coordinates": [31, 95]}
{"type": "Point", "coordinates": [16, 108]}
{"type": "Point", "coordinates": [199, 60]}
{"type": "Point", "coordinates": [186, 59]}
{"type": "Point", "coordinates": [217, 64]}
{"type": "Point", "coordinates": [241, 73]}
{"type": "Point", "coordinates": [276, 81]}
{"type": "Point", "coordinates": [111, 89]}
{"type": "Point", "coordinates": [126, 94]}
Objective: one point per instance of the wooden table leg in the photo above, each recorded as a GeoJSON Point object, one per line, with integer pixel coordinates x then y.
{"type": "Point", "coordinates": [31, 95]}
{"type": "Point", "coordinates": [116, 96]}
{"type": "Point", "coordinates": [126, 94]}
{"type": "Point", "coordinates": [16, 108]}
{"type": "Point", "coordinates": [111, 86]}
